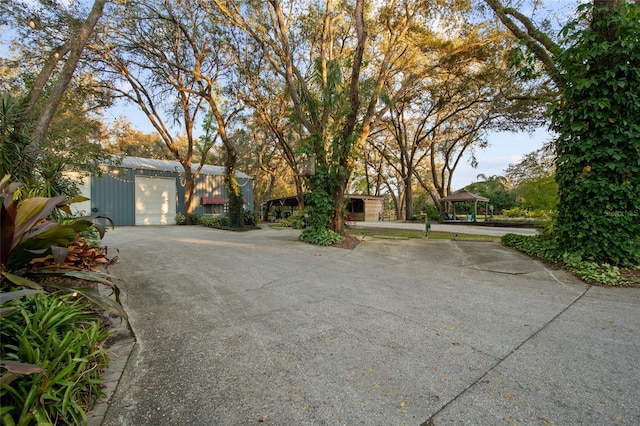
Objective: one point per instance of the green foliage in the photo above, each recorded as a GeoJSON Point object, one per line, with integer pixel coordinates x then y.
{"type": "Point", "coordinates": [296, 221]}
{"type": "Point", "coordinates": [598, 148]}
{"type": "Point", "coordinates": [69, 146]}
{"type": "Point", "coordinates": [214, 221]}
{"type": "Point", "coordinates": [593, 272]}
{"type": "Point", "coordinates": [516, 212]}
{"type": "Point", "coordinates": [13, 140]}
{"type": "Point", "coordinates": [322, 237]}
{"type": "Point", "coordinates": [236, 213]}
{"type": "Point", "coordinates": [495, 189]}
{"type": "Point", "coordinates": [318, 204]}
{"type": "Point", "coordinates": [65, 340]}
{"type": "Point", "coordinates": [430, 212]}
{"type": "Point", "coordinates": [538, 245]}
{"type": "Point", "coordinates": [29, 237]}
{"type": "Point", "coordinates": [181, 219]}
{"type": "Point", "coordinates": [539, 194]}
{"type": "Point", "coordinates": [223, 222]}
{"type": "Point", "coordinates": [548, 249]}
{"type": "Point", "coordinates": [251, 219]}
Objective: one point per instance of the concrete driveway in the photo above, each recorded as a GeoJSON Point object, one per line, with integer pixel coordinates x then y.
{"type": "Point", "coordinates": [256, 327]}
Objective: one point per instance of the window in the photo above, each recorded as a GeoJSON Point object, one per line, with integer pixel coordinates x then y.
{"type": "Point", "coordinates": [212, 209]}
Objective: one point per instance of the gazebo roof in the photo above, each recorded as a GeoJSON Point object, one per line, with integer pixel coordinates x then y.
{"type": "Point", "coordinates": [462, 195]}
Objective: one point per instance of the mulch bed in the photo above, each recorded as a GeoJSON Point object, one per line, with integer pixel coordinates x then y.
{"type": "Point", "coordinates": [349, 242]}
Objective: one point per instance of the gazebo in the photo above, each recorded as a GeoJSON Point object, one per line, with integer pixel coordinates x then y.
{"type": "Point", "coordinates": [464, 196]}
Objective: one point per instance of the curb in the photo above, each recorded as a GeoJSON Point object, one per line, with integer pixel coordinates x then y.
{"type": "Point", "coordinates": [121, 344]}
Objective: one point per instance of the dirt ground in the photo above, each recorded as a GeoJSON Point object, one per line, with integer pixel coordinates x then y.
{"type": "Point", "coordinates": [350, 242]}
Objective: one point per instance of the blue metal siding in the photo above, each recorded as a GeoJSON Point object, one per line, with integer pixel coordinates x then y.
{"type": "Point", "coordinates": [207, 186]}
{"type": "Point", "coordinates": [246, 186]}
{"type": "Point", "coordinates": [113, 193]}
{"type": "Point", "coordinates": [114, 196]}
{"type": "Point", "coordinates": [213, 186]}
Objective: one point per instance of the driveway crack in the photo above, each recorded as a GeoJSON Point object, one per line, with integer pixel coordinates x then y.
{"type": "Point", "coordinates": [500, 360]}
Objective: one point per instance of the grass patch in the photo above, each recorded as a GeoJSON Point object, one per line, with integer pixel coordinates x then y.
{"type": "Point", "coordinates": [411, 234]}
{"type": "Point", "coordinates": [278, 225]}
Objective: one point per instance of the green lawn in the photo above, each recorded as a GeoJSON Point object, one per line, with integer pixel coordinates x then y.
{"type": "Point", "coordinates": [407, 234]}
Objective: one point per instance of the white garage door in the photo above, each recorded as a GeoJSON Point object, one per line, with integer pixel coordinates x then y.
{"type": "Point", "coordinates": [155, 200]}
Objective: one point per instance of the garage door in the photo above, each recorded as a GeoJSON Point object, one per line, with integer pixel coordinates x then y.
{"type": "Point", "coordinates": [155, 200]}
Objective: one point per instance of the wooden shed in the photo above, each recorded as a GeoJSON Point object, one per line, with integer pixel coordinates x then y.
{"type": "Point", "coordinates": [358, 207]}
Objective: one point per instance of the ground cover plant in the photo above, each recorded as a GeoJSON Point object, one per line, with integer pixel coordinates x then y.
{"type": "Point", "coordinates": [52, 344]}
{"type": "Point", "coordinates": [223, 222]}
{"type": "Point", "coordinates": [62, 337]}
{"type": "Point", "coordinates": [547, 249]}
{"type": "Point", "coordinates": [411, 234]}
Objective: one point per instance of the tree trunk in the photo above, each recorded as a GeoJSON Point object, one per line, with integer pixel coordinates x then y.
{"type": "Point", "coordinates": [408, 200]}
{"type": "Point", "coordinates": [77, 45]}
{"type": "Point", "coordinates": [189, 185]}
{"type": "Point", "coordinates": [337, 221]}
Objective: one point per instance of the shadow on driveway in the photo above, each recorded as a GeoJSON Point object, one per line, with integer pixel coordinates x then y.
{"type": "Point", "coordinates": [257, 327]}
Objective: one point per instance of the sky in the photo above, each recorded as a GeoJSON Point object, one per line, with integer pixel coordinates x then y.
{"type": "Point", "coordinates": [504, 148]}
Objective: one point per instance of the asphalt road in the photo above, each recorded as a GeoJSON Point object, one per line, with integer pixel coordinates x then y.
{"type": "Point", "coordinates": [257, 327]}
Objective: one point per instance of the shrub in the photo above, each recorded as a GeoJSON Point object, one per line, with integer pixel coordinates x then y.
{"type": "Point", "coordinates": [430, 212]}
{"type": "Point", "coordinates": [549, 250]}
{"type": "Point", "coordinates": [181, 219]}
{"type": "Point", "coordinates": [61, 343]}
{"type": "Point", "coordinates": [419, 217]}
{"type": "Point", "coordinates": [36, 248]}
{"type": "Point", "coordinates": [515, 212]}
{"type": "Point", "coordinates": [536, 245]}
{"type": "Point", "coordinates": [323, 237]}
{"type": "Point", "coordinates": [251, 219]}
{"type": "Point", "coordinates": [542, 214]}
{"type": "Point", "coordinates": [214, 221]}
{"type": "Point", "coordinates": [297, 220]}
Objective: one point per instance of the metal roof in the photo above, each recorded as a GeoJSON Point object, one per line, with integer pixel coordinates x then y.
{"type": "Point", "coordinates": [167, 166]}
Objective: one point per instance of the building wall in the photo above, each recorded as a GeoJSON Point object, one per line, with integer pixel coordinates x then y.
{"type": "Point", "coordinates": [113, 193]}
{"type": "Point", "coordinates": [213, 186]}
{"type": "Point", "coordinates": [372, 209]}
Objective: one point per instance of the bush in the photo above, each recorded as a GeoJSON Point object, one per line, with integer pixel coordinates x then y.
{"type": "Point", "coordinates": [251, 219]}
{"type": "Point", "coordinates": [324, 237]}
{"type": "Point", "coordinates": [515, 212]}
{"type": "Point", "coordinates": [214, 221]}
{"type": "Point", "coordinates": [430, 212]}
{"type": "Point", "coordinates": [62, 343]}
{"type": "Point", "coordinates": [181, 219]}
{"type": "Point", "coordinates": [542, 214]}
{"type": "Point", "coordinates": [549, 250]}
{"type": "Point", "coordinates": [297, 220]}
{"type": "Point", "coordinates": [537, 245]}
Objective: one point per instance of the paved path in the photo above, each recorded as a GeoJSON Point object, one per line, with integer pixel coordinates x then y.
{"type": "Point", "coordinates": [256, 327]}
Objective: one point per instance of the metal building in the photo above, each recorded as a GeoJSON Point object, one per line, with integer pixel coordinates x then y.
{"type": "Point", "coordinates": [142, 191]}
